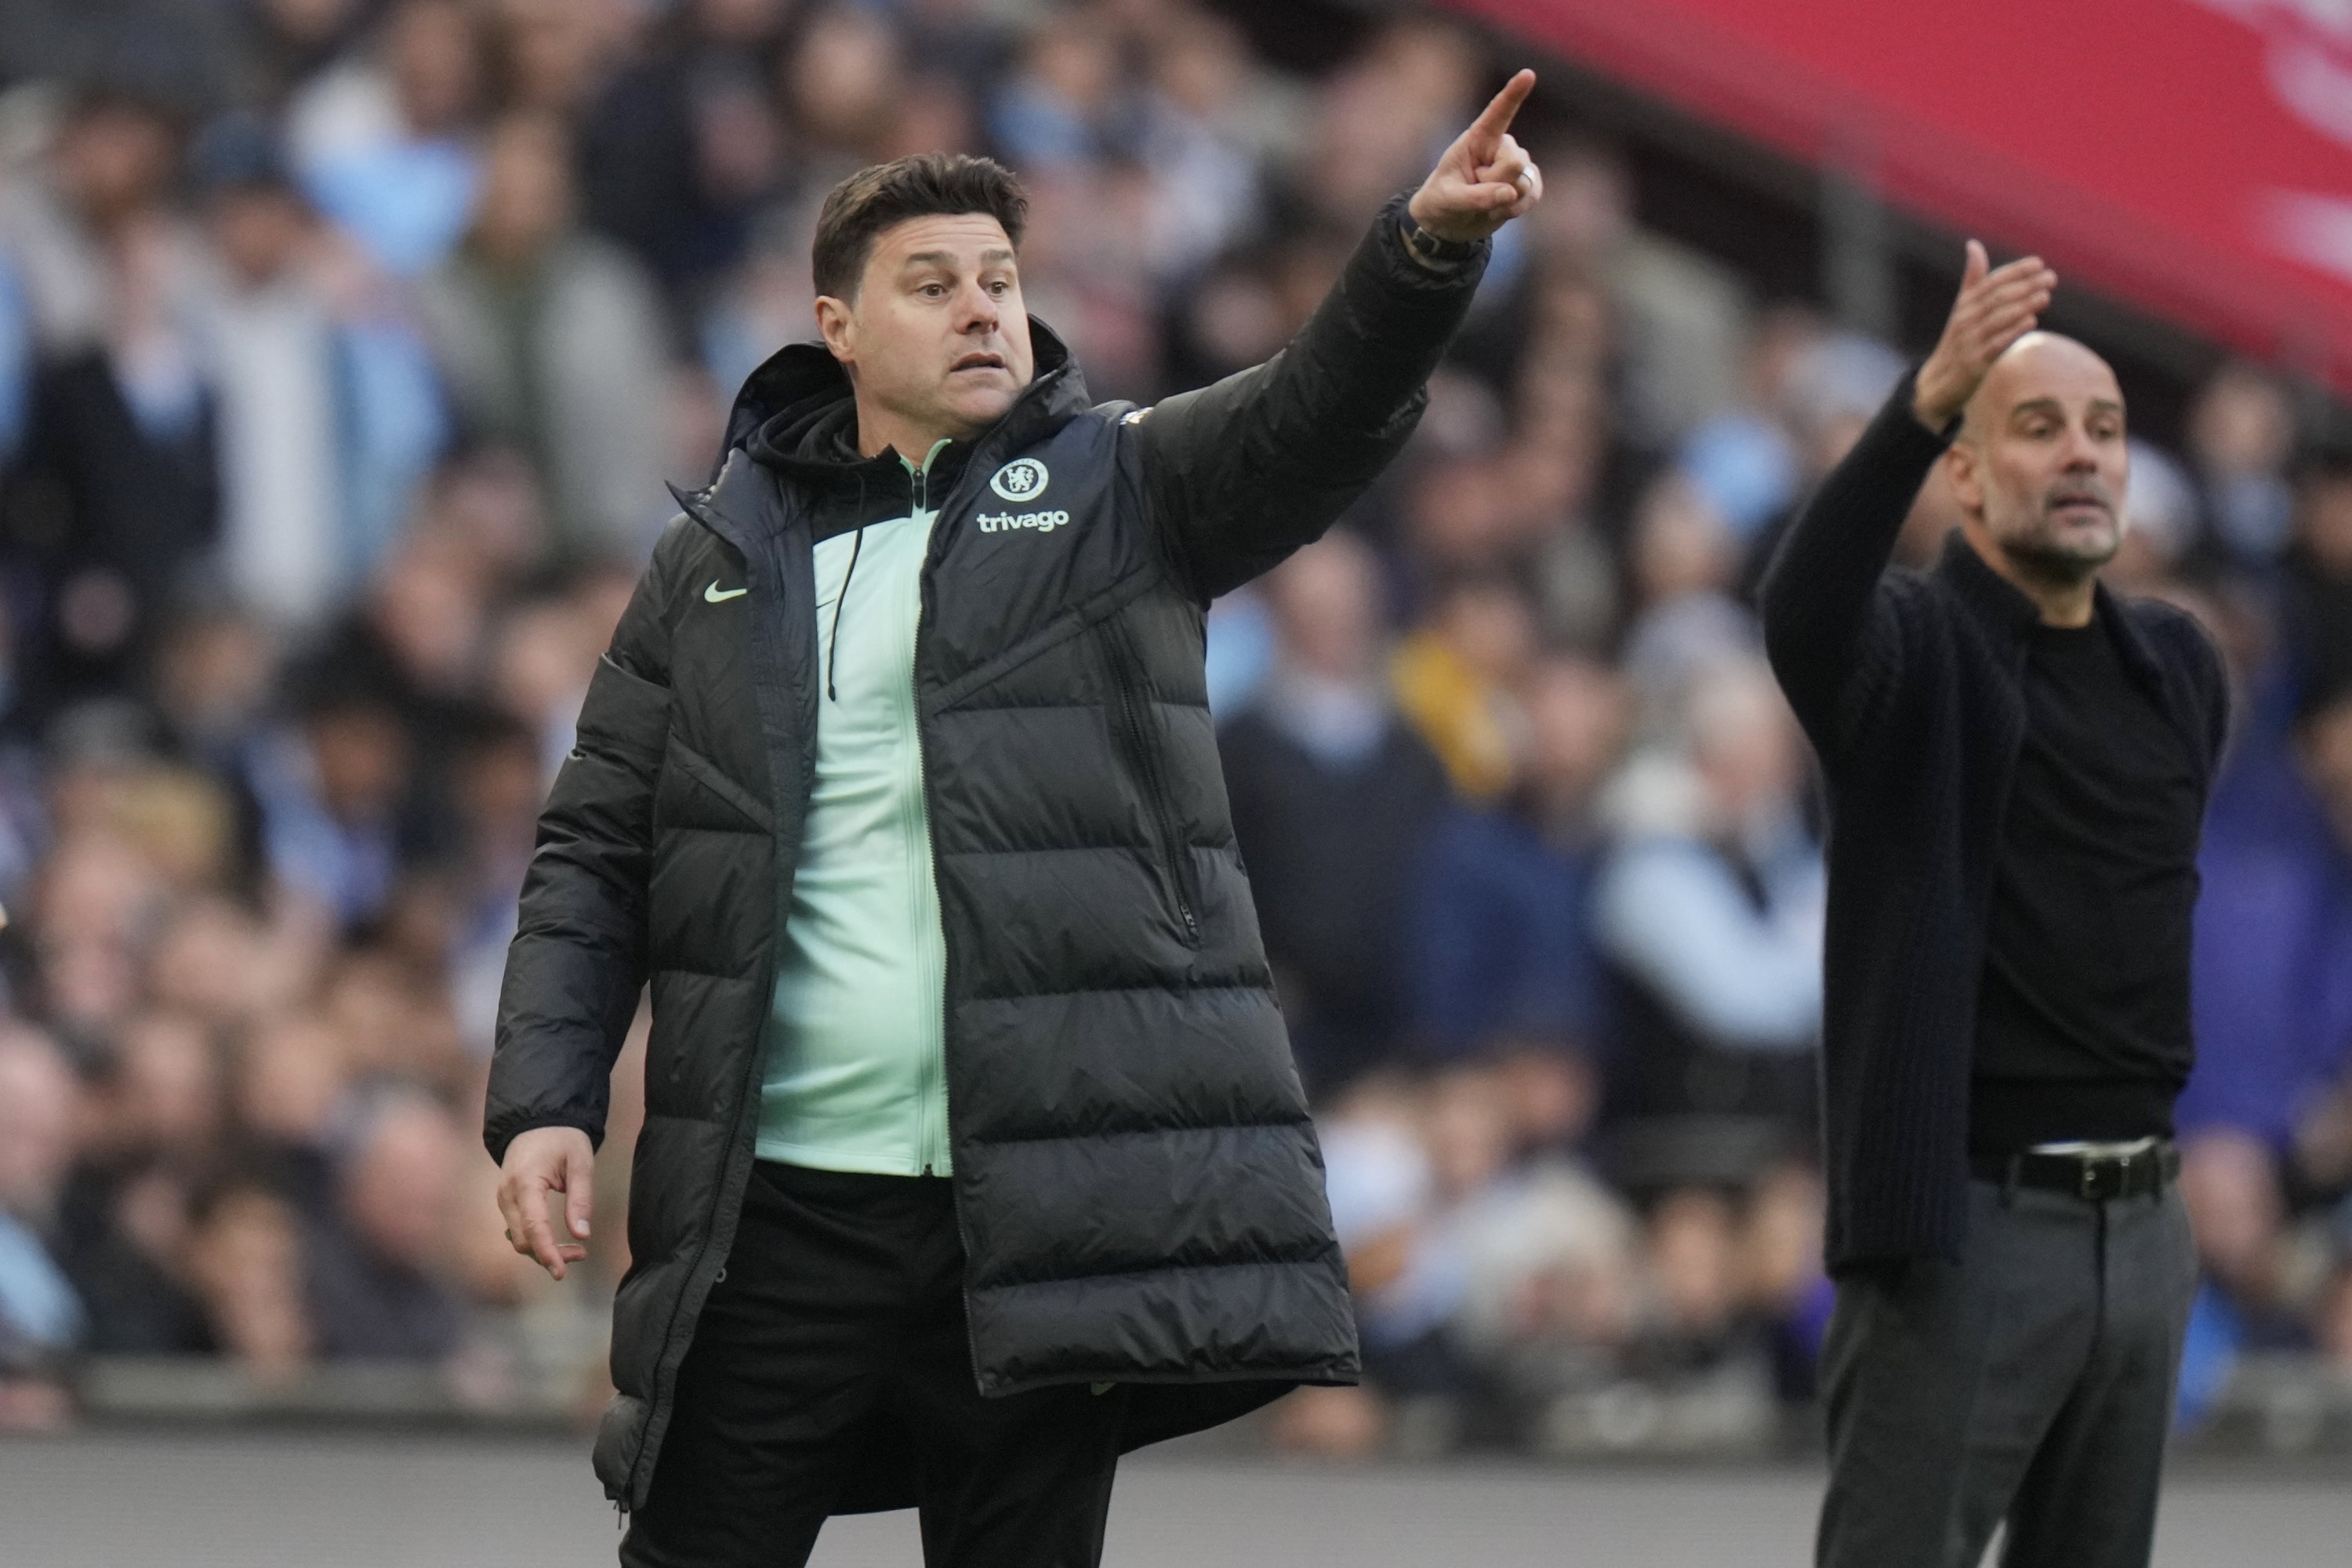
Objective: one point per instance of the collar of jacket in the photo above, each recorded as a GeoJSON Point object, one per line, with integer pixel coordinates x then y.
{"type": "Point", "coordinates": [797, 414]}
{"type": "Point", "coordinates": [2004, 610]}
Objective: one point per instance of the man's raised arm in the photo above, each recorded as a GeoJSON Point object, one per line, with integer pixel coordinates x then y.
{"type": "Point", "coordinates": [1244, 472]}
{"type": "Point", "coordinates": [1818, 596]}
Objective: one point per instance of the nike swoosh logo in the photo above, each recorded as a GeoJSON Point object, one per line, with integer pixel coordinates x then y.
{"type": "Point", "coordinates": [711, 595]}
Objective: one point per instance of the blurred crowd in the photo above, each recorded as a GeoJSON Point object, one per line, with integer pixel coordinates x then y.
{"type": "Point", "coordinates": [344, 347]}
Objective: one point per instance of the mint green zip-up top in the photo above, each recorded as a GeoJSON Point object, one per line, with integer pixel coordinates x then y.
{"type": "Point", "coordinates": [855, 1076]}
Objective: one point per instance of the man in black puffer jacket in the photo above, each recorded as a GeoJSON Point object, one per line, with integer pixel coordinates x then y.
{"type": "Point", "coordinates": [974, 1152]}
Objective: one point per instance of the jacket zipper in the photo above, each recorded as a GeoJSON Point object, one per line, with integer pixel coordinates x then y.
{"type": "Point", "coordinates": [922, 495]}
{"type": "Point", "coordinates": [1173, 856]}
{"type": "Point", "coordinates": [932, 549]}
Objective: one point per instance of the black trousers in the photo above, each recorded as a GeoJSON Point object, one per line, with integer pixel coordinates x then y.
{"type": "Point", "coordinates": [2029, 1382]}
{"type": "Point", "coordinates": [841, 1314]}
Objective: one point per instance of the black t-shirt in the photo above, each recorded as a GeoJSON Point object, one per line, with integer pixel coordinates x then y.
{"type": "Point", "coordinates": [2083, 1019]}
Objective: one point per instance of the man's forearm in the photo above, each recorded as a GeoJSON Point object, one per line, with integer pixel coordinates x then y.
{"type": "Point", "coordinates": [1817, 594]}
{"type": "Point", "coordinates": [1371, 345]}
{"type": "Point", "coordinates": [1244, 471]}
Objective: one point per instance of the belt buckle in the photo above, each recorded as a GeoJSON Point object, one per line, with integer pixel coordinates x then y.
{"type": "Point", "coordinates": [2103, 1177]}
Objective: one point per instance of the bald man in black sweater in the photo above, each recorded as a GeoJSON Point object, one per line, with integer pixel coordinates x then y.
{"type": "Point", "coordinates": [2018, 763]}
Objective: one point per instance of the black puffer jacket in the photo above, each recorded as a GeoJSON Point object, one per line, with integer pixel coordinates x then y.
{"type": "Point", "coordinates": [1136, 1181]}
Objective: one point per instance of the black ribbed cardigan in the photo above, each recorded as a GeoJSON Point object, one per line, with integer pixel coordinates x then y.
{"type": "Point", "coordinates": [1910, 685]}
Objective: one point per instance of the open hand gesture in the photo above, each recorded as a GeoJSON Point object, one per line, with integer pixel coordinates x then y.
{"type": "Point", "coordinates": [1486, 178]}
{"type": "Point", "coordinates": [1996, 307]}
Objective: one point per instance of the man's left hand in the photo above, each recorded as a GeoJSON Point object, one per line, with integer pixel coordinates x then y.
{"type": "Point", "coordinates": [1486, 178]}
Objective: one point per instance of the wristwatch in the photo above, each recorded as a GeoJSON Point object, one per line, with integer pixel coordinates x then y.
{"type": "Point", "coordinates": [1427, 248]}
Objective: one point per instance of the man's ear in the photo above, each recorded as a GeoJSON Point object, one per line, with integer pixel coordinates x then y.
{"type": "Point", "coordinates": [1967, 481]}
{"type": "Point", "coordinates": [836, 323]}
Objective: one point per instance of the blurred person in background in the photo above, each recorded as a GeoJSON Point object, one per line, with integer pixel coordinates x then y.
{"type": "Point", "coordinates": [246, 1267]}
{"type": "Point", "coordinates": [1494, 1274]}
{"type": "Point", "coordinates": [214, 676]}
{"type": "Point", "coordinates": [1689, 1322]}
{"type": "Point", "coordinates": [499, 786]}
{"type": "Point", "coordinates": [288, 42]}
{"type": "Point", "coordinates": [2317, 612]}
{"type": "Point", "coordinates": [1503, 958]}
{"type": "Point", "coordinates": [97, 903]}
{"type": "Point", "coordinates": [1830, 383]}
{"type": "Point", "coordinates": [334, 789]}
{"type": "Point", "coordinates": [384, 139]}
{"type": "Point", "coordinates": [1399, 1207]}
{"type": "Point", "coordinates": [2018, 764]}
{"type": "Point", "coordinates": [552, 341]}
{"type": "Point", "coordinates": [2241, 442]}
{"type": "Point", "coordinates": [2274, 945]}
{"type": "Point", "coordinates": [288, 1083]}
{"type": "Point", "coordinates": [1685, 562]}
{"type": "Point", "coordinates": [683, 148]}
{"type": "Point", "coordinates": [934, 400]}
{"type": "Point", "coordinates": [1745, 458]}
{"type": "Point", "coordinates": [160, 1123]}
{"type": "Point", "coordinates": [378, 1262]}
{"type": "Point", "coordinates": [843, 84]}
{"type": "Point", "coordinates": [1678, 316]}
{"type": "Point", "coordinates": [325, 422]}
{"type": "Point", "coordinates": [2163, 524]}
{"type": "Point", "coordinates": [41, 1316]}
{"type": "Point", "coordinates": [1332, 797]}
{"type": "Point", "coordinates": [2245, 1297]}
{"type": "Point", "coordinates": [114, 484]}
{"type": "Point", "coordinates": [1707, 910]}
{"type": "Point", "coordinates": [1454, 674]}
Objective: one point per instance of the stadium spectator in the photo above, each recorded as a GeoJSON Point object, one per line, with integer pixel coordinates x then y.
{"type": "Point", "coordinates": [1318, 767]}
{"type": "Point", "coordinates": [1708, 911]}
{"type": "Point", "coordinates": [1684, 564]}
{"type": "Point", "coordinates": [2317, 621]}
{"type": "Point", "coordinates": [1454, 676]}
{"type": "Point", "coordinates": [1503, 958]}
{"type": "Point", "coordinates": [325, 419]}
{"type": "Point", "coordinates": [2240, 438]}
{"type": "Point", "coordinates": [2272, 985]}
{"type": "Point", "coordinates": [115, 484]}
{"type": "Point", "coordinates": [375, 1277]}
{"type": "Point", "coordinates": [551, 341]}
{"type": "Point", "coordinates": [384, 138]}
{"type": "Point", "coordinates": [41, 1315]}
{"type": "Point", "coordinates": [245, 1263]}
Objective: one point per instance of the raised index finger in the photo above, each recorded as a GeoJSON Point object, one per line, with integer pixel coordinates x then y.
{"type": "Point", "coordinates": [1497, 117]}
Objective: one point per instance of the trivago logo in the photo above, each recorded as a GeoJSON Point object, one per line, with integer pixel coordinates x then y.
{"type": "Point", "coordinates": [1005, 522]}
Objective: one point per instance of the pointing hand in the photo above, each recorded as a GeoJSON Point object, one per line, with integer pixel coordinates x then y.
{"type": "Point", "coordinates": [1485, 179]}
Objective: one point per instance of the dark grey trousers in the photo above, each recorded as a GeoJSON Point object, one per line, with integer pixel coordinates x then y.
{"type": "Point", "coordinates": [2032, 1381]}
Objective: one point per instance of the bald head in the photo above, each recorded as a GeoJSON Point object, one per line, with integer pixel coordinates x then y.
{"type": "Point", "coordinates": [2041, 466]}
{"type": "Point", "coordinates": [2034, 369]}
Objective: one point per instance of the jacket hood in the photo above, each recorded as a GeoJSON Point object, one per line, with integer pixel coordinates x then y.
{"type": "Point", "coordinates": [797, 413]}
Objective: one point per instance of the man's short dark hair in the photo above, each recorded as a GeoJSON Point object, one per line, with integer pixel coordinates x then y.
{"type": "Point", "coordinates": [946, 184]}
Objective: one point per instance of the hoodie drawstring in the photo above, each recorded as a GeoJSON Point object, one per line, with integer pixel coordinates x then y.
{"type": "Point", "coordinates": [841, 600]}
{"type": "Point", "coordinates": [832, 642]}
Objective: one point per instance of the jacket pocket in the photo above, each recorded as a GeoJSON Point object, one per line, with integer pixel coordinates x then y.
{"type": "Point", "coordinates": [1131, 737]}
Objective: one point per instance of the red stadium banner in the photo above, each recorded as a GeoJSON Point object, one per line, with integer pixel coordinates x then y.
{"type": "Point", "coordinates": [2194, 156]}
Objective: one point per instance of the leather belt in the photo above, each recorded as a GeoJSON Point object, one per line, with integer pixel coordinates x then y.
{"type": "Point", "coordinates": [2095, 1177]}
